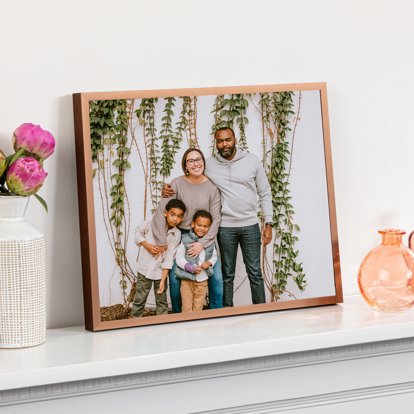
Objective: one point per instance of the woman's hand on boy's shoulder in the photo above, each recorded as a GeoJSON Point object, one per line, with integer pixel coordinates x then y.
{"type": "Point", "coordinates": [167, 191]}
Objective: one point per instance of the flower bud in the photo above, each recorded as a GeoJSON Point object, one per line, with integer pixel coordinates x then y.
{"type": "Point", "coordinates": [25, 176]}
{"type": "Point", "coordinates": [3, 162]}
{"type": "Point", "coordinates": [34, 139]}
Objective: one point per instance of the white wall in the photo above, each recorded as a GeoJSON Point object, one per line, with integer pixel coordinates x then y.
{"type": "Point", "coordinates": [362, 49]}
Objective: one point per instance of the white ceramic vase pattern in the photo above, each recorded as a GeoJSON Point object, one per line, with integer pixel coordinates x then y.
{"type": "Point", "coordinates": [22, 277]}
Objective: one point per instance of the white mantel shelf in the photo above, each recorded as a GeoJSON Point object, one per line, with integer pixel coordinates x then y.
{"type": "Point", "coordinates": [73, 354]}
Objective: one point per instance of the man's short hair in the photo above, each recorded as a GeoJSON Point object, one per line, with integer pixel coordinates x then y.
{"type": "Point", "coordinates": [224, 129]}
{"type": "Point", "coordinates": [175, 203]}
{"type": "Point", "coordinates": [204, 214]}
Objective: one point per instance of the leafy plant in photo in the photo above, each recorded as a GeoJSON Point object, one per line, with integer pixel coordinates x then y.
{"type": "Point", "coordinates": [109, 120]}
{"type": "Point", "coordinates": [276, 111]}
{"type": "Point", "coordinates": [181, 125]}
{"type": "Point", "coordinates": [146, 117]}
{"type": "Point", "coordinates": [169, 145]}
{"type": "Point", "coordinates": [118, 193]}
{"type": "Point", "coordinates": [191, 104]}
{"type": "Point", "coordinates": [218, 121]}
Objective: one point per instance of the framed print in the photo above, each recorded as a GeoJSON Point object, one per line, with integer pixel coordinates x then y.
{"type": "Point", "coordinates": [130, 144]}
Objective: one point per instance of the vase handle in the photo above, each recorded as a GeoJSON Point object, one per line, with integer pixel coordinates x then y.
{"type": "Point", "coordinates": [411, 240]}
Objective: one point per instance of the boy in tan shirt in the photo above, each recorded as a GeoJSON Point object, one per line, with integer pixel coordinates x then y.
{"type": "Point", "coordinates": [155, 262]}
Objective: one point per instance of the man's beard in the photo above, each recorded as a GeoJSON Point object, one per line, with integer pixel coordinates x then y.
{"type": "Point", "coordinates": [227, 153]}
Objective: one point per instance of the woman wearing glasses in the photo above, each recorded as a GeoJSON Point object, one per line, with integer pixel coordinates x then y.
{"type": "Point", "coordinates": [198, 193]}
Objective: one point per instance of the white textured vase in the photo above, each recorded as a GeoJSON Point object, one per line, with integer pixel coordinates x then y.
{"type": "Point", "coordinates": [22, 277]}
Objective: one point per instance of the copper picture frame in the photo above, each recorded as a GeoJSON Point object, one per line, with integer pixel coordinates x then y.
{"type": "Point", "coordinates": [311, 189]}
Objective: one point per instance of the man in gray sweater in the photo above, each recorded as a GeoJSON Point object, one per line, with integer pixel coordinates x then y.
{"type": "Point", "coordinates": [242, 181]}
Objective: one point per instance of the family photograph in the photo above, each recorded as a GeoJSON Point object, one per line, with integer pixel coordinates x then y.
{"type": "Point", "coordinates": [209, 202]}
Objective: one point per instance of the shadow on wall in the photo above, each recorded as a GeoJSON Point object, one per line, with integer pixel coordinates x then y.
{"type": "Point", "coordinates": [65, 304]}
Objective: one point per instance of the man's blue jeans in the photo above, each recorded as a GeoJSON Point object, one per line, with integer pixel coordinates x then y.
{"type": "Point", "coordinates": [215, 288]}
{"type": "Point", "coordinates": [250, 240]}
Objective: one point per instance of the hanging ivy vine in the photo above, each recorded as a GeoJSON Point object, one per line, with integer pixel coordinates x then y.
{"type": "Point", "coordinates": [276, 110]}
{"type": "Point", "coordinates": [109, 120]}
{"type": "Point", "coordinates": [101, 118]}
{"type": "Point", "coordinates": [192, 121]}
{"type": "Point", "coordinates": [146, 116]}
{"type": "Point", "coordinates": [218, 121]}
{"type": "Point", "coordinates": [182, 124]}
{"type": "Point", "coordinates": [167, 135]}
{"type": "Point", "coordinates": [121, 164]}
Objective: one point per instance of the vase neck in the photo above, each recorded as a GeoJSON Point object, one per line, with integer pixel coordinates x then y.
{"type": "Point", "coordinates": [13, 207]}
{"type": "Point", "coordinates": [389, 240]}
{"type": "Point", "coordinates": [392, 237]}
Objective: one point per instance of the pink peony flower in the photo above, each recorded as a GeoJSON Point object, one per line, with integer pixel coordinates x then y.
{"type": "Point", "coordinates": [34, 139]}
{"type": "Point", "coordinates": [25, 176]}
{"type": "Point", "coordinates": [3, 162]}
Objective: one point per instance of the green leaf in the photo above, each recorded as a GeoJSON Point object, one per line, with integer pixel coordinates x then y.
{"type": "Point", "coordinates": [42, 202]}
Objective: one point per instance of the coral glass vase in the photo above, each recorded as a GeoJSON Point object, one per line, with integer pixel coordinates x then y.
{"type": "Point", "coordinates": [386, 275]}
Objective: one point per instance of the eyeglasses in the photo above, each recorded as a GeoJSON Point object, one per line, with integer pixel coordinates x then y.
{"type": "Point", "coordinates": [198, 160]}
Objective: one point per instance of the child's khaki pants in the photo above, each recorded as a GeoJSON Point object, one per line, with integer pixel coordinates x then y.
{"type": "Point", "coordinates": [193, 295]}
